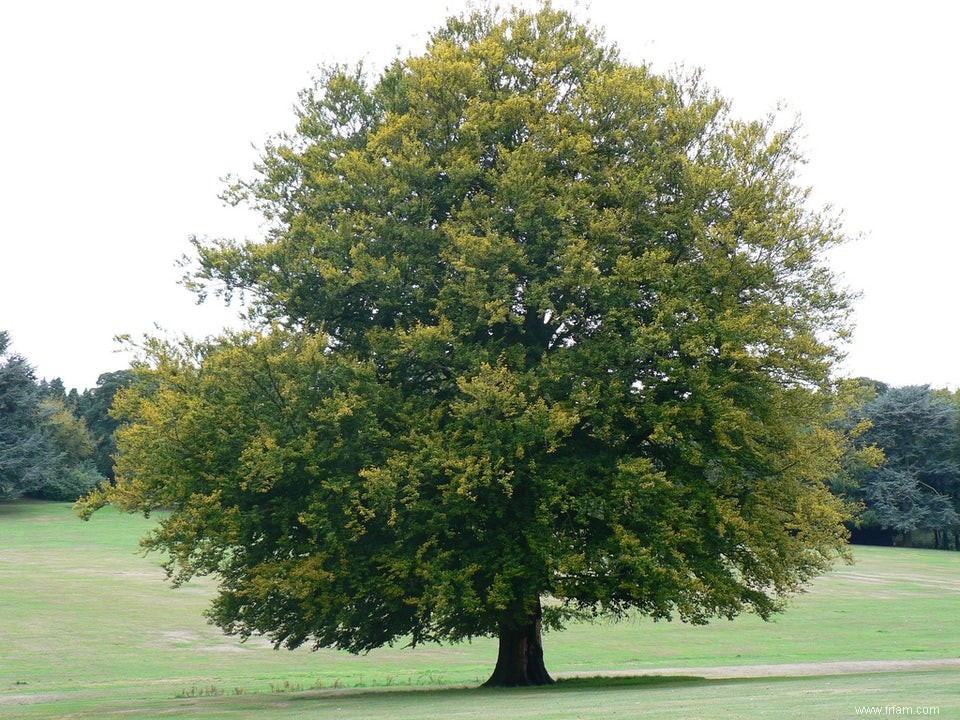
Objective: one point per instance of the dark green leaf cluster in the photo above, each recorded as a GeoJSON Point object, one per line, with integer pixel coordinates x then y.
{"type": "Point", "coordinates": [93, 407]}
{"type": "Point", "coordinates": [23, 447]}
{"type": "Point", "coordinates": [918, 486]}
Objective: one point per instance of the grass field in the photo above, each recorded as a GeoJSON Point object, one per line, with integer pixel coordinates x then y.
{"type": "Point", "coordinates": [89, 629]}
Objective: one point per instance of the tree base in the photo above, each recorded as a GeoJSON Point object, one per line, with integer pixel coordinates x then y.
{"type": "Point", "coordinates": [520, 657]}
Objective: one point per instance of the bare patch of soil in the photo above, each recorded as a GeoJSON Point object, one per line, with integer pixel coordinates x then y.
{"type": "Point", "coordinates": [32, 698]}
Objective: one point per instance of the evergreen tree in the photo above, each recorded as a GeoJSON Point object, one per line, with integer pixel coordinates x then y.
{"type": "Point", "coordinates": [26, 451]}
{"type": "Point", "coordinates": [918, 487]}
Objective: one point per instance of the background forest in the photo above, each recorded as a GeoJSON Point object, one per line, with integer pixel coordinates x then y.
{"type": "Point", "coordinates": [54, 444]}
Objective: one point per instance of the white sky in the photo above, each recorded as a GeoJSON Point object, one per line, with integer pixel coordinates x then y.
{"type": "Point", "coordinates": [118, 119]}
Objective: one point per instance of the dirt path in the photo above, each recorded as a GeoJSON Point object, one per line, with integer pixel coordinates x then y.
{"type": "Point", "coordinates": [722, 672]}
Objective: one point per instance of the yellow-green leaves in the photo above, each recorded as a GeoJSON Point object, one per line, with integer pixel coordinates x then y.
{"type": "Point", "coordinates": [494, 408]}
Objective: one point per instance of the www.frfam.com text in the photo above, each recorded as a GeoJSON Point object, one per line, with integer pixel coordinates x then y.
{"type": "Point", "coordinates": [903, 710]}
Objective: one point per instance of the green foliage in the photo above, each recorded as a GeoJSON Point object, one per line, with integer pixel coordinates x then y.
{"type": "Point", "coordinates": [24, 448]}
{"type": "Point", "coordinates": [918, 487]}
{"type": "Point", "coordinates": [71, 482]}
{"type": "Point", "coordinates": [861, 457]}
{"type": "Point", "coordinates": [93, 406]}
{"type": "Point", "coordinates": [533, 321]}
{"type": "Point", "coordinates": [44, 449]}
{"type": "Point", "coordinates": [71, 473]}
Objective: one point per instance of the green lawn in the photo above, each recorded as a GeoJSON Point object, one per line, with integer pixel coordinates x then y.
{"type": "Point", "coordinates": [88, 628]}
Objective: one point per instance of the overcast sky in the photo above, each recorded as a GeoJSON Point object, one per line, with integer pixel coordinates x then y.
{"type": "Point", "coordinates": [118, 119]}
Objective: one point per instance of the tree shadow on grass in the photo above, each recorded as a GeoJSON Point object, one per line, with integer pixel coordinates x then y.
{"type": "Point", "coordinates": [573, 684]}
{"type": "Point", "coordinates": [623, 681]}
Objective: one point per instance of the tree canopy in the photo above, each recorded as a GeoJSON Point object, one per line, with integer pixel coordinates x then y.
{"type": "Point", "coordinates": [535, 332]}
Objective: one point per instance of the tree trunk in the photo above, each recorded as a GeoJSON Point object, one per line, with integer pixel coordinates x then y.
{"type": "Point", "coordinates": [520, 659]}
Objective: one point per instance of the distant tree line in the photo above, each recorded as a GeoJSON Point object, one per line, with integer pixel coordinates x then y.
{"type": "Point", "coordinates": [53, 444]}
{"type": "Point", "coordinates": [911, 494]}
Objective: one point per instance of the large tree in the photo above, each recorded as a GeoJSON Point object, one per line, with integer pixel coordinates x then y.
{"type": "Point", "coordinates": [537, 332]}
